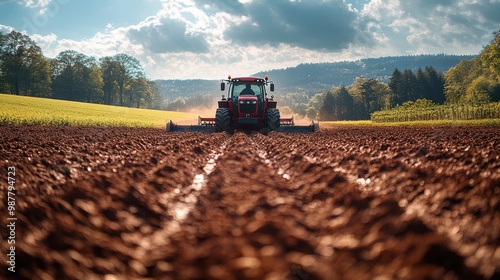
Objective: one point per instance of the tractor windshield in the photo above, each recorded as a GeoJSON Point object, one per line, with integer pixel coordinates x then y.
{"type": "Point", "coordinates": [247, 89]}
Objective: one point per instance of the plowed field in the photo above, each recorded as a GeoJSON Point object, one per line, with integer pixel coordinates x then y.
{"type": "Point", "coordinates": [342, 203]}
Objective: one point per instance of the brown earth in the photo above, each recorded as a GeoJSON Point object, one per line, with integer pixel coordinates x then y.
{"type": "Point", "coordinates": [342, 203]}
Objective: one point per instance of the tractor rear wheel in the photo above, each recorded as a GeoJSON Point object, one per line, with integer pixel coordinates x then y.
{"type": "Point", "coordinates": [273, 119]}
{"type": "Point", "coordinates": [222, 120]}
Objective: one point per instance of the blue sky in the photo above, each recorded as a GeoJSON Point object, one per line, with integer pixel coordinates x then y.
{"type": "Point", "coordinates": [76, 19]}
{"type": "Point", "coordinates": [208, 39]}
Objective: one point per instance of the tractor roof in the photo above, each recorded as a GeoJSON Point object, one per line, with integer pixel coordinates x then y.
{"type": "Point", "coordinates": [248, 80]}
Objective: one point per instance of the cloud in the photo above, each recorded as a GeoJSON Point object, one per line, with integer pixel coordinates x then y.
{"type": "Point", "coordinates": [314, 25]}
{"type": "Point", "coordinates": [101, 44]}
{"type": "Point", "coordinates": [427, 26]}
{"type": "Point", "coordinates": [6, 29]}
{"type": "Point", "coordinates": [45, 42]}
{"type": "Point", "coordinates": [234, 7]}
{"type": "Point", "coordinates": [36, 3]}
{"type": "Point", "coordinates": [489, 11]}
{"type": "Point", "coordinates": [168, 36]}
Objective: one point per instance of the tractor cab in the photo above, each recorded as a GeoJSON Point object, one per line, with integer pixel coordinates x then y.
{"type": "Point", "coordinates": [247, 101]}
{"type": "Point", "coordinates": [248, 97]}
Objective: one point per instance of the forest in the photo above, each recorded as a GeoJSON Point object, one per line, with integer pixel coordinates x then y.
{"type": "Point", "coordinates": [356, 90]}
{"type": "Point", "coordinates": [114, 80]}
{"type": "Point", "coordinates": [468, 90]}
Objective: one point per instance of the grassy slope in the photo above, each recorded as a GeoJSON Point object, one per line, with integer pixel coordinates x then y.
{"type": "Point", "coordinates": [22, 110]}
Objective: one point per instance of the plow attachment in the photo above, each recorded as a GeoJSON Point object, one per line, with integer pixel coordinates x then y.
{"type": "Point", "coordinates": [208, 125]}
{"type": "Point", "coordinates": [204, 125]}
{"type": "Point", "coordinates": [288, 125]}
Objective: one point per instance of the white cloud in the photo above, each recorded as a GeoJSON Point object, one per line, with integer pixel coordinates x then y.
{"type": "Point", "coordinates": [210, 38]}
{"type": "Point", "coordinates": [45, 42]}
{"type": "Point", "coordinates": [382, 11]}
{"type": "Point", "coordinates": [6, 29]}
{"type": "Point", "coordinates": [101, 44]}
{"type": "Point", "coordinates": [424, 26]}
{"type": "Point", "coordinates": [168, 36]}
{"type": "Point", "coordinates": [37, 3]}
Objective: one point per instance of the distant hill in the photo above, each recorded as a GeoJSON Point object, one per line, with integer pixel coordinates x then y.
{"type": "Point", "coordinates": [317, 77]}
{"type": "Point", "coordinates": [172, 89]}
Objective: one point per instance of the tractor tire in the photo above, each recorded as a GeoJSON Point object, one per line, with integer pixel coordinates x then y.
{"type": "Point", "coordinates": [222, 120]}
{"type": "Point", "coordinates": [273, 119]}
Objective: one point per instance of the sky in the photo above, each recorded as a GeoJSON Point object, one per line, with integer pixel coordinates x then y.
{"type": "Point", "coordinates": [209, 39]}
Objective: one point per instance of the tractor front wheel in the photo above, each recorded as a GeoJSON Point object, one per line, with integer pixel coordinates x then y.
{"type": "Point", "coordinates": [222, 120]}
{"type": "Point", "coordinates": [273, 119]}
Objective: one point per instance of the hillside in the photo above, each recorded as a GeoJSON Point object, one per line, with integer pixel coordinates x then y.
{"type": "Point", "coordinates": [172, 89]}
{"type": "Point", "coordinates": [316, 77]}
{"type": "Point", "coordinates": [27, 110]}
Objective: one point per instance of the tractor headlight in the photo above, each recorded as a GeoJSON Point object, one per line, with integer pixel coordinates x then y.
{"type": "Point", "coordinates": [248, 102]}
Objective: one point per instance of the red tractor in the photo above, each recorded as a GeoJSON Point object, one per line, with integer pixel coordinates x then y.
{"type": "Point", "coordinates": [246, 107]}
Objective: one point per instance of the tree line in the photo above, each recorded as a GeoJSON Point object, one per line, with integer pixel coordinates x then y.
{"type": "Point", "coordinates": [367, 95]}
{"type": "Point", "coordinates": [113, 80]}
{"type": "Point", "coordinates": [472, 82]}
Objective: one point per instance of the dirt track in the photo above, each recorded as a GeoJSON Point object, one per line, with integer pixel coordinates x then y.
{"type": "Point", "coordinates": [344, 203]}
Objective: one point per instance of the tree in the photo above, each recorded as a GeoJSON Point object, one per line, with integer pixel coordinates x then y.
{"type": "Point", "coordinates": [458, 79]}
{"type": "Point", "coordinates": [435, 85]}
{"type": "Point", "coordinates": [39, 81]}
{"type": "Point", "coordinates": [155, 100]}
{"type": "Point", "coordinates": [490, 60]}
{"type": "Point", "coordinates": [316, 101]}
{"type": "Point", "coordinates": [343, 104]}
{"type": "Point", "coordinates": [23, 69]}
{"type": "Point", "coordinates": [326, 111]}
{"type": "Point", "coordinates": [93, 83]}
{"type": "Point", "coordinates": [109, 69]}
{"type": "Point", "coordinates": [476, 80]}
{"type": "Point", "coordinates": [3, 85]}
{"type": "Point", "coordinates": [490, 56]}
{"type": "Point", "coordinates": [77, 77]}
{"type": "Point", "coordinates": [369, 95]}
{"type": "Point", "coordinates": [129, 68]}
{"type": "Point", "coordinates": [363, 90]}
{"type": "Point", "coordinates": [140, 92]}
{"type": "Point", "coordinates": [383, 94]}
{"type": "Point", "coordinates": [409, 85]}
{"type": "Point", "coordinates": [421, 85]}
{"type": "Point", "coordinates": [479, 91]}
{"type": "Point", "coordinates": [296, 101]}
{"type": "Point", "coordinates": [311, 113]}
{"type": "Point", "coordinates": [396, 86]}
{"type": "Point", "coordinates": [406, 86]}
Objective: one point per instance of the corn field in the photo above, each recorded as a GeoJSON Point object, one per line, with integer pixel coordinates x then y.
{"type": "Point", "coordinates": [439, 112]}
